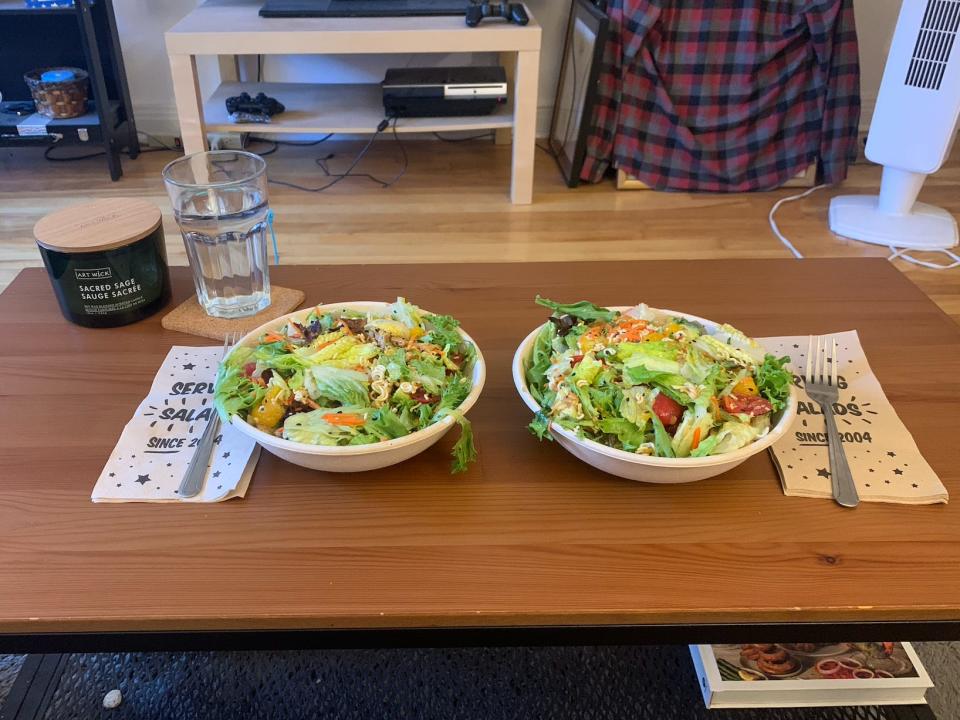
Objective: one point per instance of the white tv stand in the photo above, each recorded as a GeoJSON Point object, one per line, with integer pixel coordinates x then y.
{"type": "Point", "coordinates": [228, 28]}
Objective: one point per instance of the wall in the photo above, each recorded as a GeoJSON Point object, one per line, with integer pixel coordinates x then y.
{"type": "Point", "coordinates": [141, 25]}
{"type": "Point", "coordinates": [143, 22]}
{"type": "Point", "coordinates": [875, 22]}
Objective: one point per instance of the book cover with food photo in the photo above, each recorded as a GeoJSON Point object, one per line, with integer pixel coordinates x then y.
{"type": "Point", "coordinates": [810, 674]}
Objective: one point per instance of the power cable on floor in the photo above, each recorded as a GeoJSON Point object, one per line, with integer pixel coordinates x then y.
{"type": "Point", "coordinates": [895, 252]}
{"type": "Point", "coordinates": [776, 228]}
{"type": "Point", "coordinates": [339, 177]}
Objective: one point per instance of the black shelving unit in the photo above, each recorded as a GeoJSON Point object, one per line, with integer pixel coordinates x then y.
{"type": "Point", "coordinates": [84, 36]}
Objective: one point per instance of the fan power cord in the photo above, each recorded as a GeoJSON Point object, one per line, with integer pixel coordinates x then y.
{"type": "Point", "coordinates": [773, 222]}
{"type": "Point", "coordinates": [901, 254]}
{"type": "Point", "coordinates": [895, 252]}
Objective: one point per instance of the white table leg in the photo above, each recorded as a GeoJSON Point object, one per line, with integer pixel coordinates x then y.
{"type": "Point", "coordinates": [229, 68]}
{"type": "Point", "coordinates": [186, 92]}
{"type": "Point", "coordinates": [524, 126]}
{"type": "Point", "coordinates": [503, 136]}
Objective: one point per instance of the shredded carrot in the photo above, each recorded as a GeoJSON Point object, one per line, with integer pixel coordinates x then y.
{"type": "Point", "coordinates": [272, 337]}
{"type": "Point", "coordinates": [696, 439]}
{"type": "Point", "coordinates": [626, 321]}
{"type": "Point", "coordinates": [348, 419]}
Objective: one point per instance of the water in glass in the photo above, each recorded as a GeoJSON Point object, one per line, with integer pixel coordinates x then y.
{"type": "Point", "coordinates": [224, 227]}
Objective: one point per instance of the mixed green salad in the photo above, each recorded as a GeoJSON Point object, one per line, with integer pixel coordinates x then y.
{"type": "Point", "coordinates": [645, 382]}
{"type": "Point", "coordinates": [345, 377]}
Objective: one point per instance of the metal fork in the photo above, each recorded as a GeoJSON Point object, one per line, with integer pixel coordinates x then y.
{"type": "Point", "coordinates": [192, 482]}
{"type": "Point", "coordinates": [821, 386]}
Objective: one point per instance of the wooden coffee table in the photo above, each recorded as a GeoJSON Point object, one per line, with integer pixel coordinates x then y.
{"type": "Point", "coordinates": [531, 546]}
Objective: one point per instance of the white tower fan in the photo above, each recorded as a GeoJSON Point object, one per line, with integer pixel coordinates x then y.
{"type": "Point", "coordinates": [913, 128]}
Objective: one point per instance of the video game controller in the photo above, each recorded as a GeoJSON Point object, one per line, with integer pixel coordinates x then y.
{"type": "Point", "coordinates": [261, 104]}
{"type": "Point", "coordinates": [511, 12]}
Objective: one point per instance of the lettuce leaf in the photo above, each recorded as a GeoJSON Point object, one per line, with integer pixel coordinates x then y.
{"type": "Point", "coordinates": [584, 310]}
{"type": "Point", "coordinates": [430, 375]}
{"type": "Point", "coordinates": [734, 435]}
{"type": "Point", "coordinates": [536, 374]}
{"type": "Point", "coordinates": [629, 435]}
{"type": "Point", "coordinates": [693, 419]}
{"type": "Point", "coordinates": [464, 450]}
{"type": "Point", "coordinates": [634, 406]}
{"type": "Point", "coordinates": [407, 313]}
{"type": "Point", "coordinates": [443, 331]}
{"type": "Point", "coordinates": [735, 338]}
{"type": "Point", "coordinates": [705, 447]}
{"type": "Point", "coordinates": [774, 380]}
{"type": "Point", "coordinates": [540, 426]}
{"type": "Point", "coordinates": [654, 357]}
{"type": "Point", "coordinates": [395, 362]}
{"type": "Point", "coordinates": [338, 385]}
{"type": "Point", "coordinates": [311, 428]}
{"type": "Point", "coordinates": [234, 393]}
{"type": "Point", "coordinates": [696, 366]}
{"type": "Point", "coordinates": [452, 395]}
{"type": "Point", "coordinates": [723, 352]}
{"type": "Point", "coordinates": [346, 352]}
{"type": "Point", "coordinates": [605, 398]}
{"type": "Point", "coordinates": [661, 438]}
{"type": "Point", "coordinates": [386, 424]}
{"type": "Point", "coordinates": [586, 370]}
{"type": "Point", "coordinates": [238, 357]}
{"type": "Point", "coordinates": [640, 375]}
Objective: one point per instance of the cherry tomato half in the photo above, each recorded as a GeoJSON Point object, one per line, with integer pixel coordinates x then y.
{"type": "Point", "coordinates": [667, 409]}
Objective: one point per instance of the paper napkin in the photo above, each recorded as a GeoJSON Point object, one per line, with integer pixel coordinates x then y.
{"type": "Point", "coordinates": [153, 452]}
{"type": "Point", "coordinates": [886, 464]}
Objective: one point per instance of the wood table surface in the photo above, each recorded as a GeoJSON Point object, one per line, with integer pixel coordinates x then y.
{"type": "Point", "coordinates": [529, 536]}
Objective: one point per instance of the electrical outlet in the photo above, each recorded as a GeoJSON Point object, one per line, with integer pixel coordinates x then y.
{"type": "Point", "coordinates": [161, 140]}
{"type": "Point", "coordinates": [227, 141]}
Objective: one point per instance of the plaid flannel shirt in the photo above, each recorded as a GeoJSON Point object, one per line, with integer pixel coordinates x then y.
{"type": "Point", "coordinates": [726, 95]}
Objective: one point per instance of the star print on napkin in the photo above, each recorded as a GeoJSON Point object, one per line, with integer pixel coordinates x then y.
{"type": "Point", "coordinates": [875, 440]}
{"type": "Point", "coordinates": [157, 444]}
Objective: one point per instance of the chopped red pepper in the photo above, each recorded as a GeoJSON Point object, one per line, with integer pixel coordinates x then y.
{"type": "Point", "coordinates": [746, 405]}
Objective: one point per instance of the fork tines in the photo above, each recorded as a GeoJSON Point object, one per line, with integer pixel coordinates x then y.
{"type": "Point", "coordinates": [817, 370]}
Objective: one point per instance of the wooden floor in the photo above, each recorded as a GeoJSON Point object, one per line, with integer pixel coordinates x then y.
{"type": "Point", "coordinates": [452, 206]}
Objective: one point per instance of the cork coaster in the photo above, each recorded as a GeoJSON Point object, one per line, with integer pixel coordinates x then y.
{"type": "Point", "coordinates": [189, 317]}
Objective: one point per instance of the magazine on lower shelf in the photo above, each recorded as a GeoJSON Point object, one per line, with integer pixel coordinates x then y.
{"type": "Point", "coordinates": [810, 674]}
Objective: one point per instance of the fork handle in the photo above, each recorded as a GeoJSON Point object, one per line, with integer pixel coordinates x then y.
{"type": "Point", "coordinates": [844, 491]}
{"type": "Point", "coordinates": [192, 482]}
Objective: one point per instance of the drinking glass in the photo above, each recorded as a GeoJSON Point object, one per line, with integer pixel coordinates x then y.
{"type": "Point", "coordinates": [220, 203]}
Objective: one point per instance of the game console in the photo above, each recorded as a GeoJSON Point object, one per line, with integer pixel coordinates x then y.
{"type": "Point", "coordinates": [444, 91]}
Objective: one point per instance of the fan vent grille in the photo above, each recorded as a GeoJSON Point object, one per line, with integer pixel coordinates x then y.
{"type": "Point", "coordinates": [938, 31]}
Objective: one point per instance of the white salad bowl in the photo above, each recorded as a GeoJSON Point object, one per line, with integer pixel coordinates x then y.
{"type": "Point", "coordinates": [645, 468]}
{"type": "Point", "coordinates": [355, 458]}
